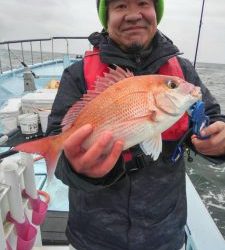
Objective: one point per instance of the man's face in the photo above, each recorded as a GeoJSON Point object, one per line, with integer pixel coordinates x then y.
{"type": "Point", "coordinates": [132, 23]}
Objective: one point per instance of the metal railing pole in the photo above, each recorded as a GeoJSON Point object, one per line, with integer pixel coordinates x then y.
{"type": "Point", "coordinates": [41, 52]}
{"type": "Point", "coordinates": [31, 50]}
{"type": "Point", "coordinates": [53, 49]}
{"type": "Point", "coordinates": [8, 43]}
{"type": "Point", "coordinates": [10, 61]}
{"type": "Point", "coordinates": [22, 51]}
{"type": "Point", "coordinates": [67, 47]}
{"type": "Point", "coordinates": [1, 71]}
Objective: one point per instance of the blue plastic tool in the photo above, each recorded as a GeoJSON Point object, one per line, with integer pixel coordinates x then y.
{"type": "Point", "coordinates": [198, 117]}
{"type": "Point", "coordinates": [199, 121]}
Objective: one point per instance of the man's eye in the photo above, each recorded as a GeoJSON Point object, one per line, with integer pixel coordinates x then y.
{"type": "Point", "coordinates": [120, 6]}
{"type": "Point", "coordinates": [143, 3]}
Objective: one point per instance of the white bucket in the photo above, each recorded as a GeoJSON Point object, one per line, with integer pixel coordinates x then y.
{"type": "Point", "coordinates": [28, 123]}
{"type": "Point", "coordinates": [8, 124]}
{"type": "Point", "coordinates": [43, 115]}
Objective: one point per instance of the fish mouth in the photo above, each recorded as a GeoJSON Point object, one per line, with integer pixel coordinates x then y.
{"type": "Point", "coordinates": [196, 93]}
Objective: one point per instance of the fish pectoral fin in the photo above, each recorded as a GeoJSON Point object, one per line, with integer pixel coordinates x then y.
{"type": "Point", "coordinates": [153, 115]}
{"type": "Point", "coordinates": [153, 110]}
{"type": "Point", "coordinates": [152, 146]}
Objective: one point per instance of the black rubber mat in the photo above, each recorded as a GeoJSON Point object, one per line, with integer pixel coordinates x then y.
{"type": "Point", "coordinates": [53, 229]}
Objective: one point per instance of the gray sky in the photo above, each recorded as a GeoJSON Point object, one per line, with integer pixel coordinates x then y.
{"type": "Point", "coordinates": [23, 19]}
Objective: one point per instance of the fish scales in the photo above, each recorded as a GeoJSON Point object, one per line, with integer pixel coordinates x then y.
{"type": "Point", "coordinates": [115, 104]}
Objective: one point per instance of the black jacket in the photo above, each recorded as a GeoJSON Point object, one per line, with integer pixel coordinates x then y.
{"type": "Point", "coordinates": [143, 209]}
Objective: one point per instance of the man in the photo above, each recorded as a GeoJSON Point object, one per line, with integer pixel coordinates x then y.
{"type": "Point", "coordinates": [139, 204]}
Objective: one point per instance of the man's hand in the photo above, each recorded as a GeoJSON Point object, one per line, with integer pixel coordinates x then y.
{"type": "Point", "coordinates": [215, 144]}
{"type": "Point", "coordinates": [93, 162]}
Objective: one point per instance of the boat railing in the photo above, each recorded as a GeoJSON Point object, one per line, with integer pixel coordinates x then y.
{"type": "Point", "coordinates": [30, 44]}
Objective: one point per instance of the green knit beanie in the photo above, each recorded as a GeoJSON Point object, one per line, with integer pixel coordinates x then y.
{"type": "Point", "coordinates": [101, 6]}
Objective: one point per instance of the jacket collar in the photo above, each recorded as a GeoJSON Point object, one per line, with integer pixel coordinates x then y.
{"type": "Point", "coordinates": [144, 61]}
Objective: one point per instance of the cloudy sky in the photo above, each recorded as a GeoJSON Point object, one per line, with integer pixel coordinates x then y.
{"type": "Point", "coordinates": [23, 19]}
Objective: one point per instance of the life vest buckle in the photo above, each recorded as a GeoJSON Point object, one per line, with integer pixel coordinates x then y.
{"type": "Point", "coordinates": [199, 121]}
{"type": "Point", "coordinates": [131, 162]}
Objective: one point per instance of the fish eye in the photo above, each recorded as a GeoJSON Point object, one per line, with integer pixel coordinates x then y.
{"type": "Point", "coordinates": [171, 84]}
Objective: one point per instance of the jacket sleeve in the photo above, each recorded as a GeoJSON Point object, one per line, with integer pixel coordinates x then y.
{"type": "Point", "coordinates": [212, 107]}
{"type": "Point", "coordinates": [72, 87]}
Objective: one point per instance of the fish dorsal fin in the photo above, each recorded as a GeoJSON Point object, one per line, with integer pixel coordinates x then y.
{"type": "Point", "coordinates": [152, 146]}
{"type": "Point", "coordinates": [113, 76]}
{"type": "Point", "coordinates": [101, 84]}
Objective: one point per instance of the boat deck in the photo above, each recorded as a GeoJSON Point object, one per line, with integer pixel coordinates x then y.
{"type": "Point", "coordinates": [53, 232]}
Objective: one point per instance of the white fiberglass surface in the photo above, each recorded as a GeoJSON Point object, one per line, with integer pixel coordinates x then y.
{"type": "Point", "coordinates": [51, 69]}
{"type": "Point", "coordinates": [10, 87]}
{"type": "Point", "coordinates": [57, 191]}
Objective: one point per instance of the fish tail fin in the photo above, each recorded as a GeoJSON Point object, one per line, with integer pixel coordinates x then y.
{"type": "Point", "coordinates": [49, 147]}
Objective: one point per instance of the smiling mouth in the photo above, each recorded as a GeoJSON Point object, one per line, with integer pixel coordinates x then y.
{"type": "Point", "coordinates": [135, 28]}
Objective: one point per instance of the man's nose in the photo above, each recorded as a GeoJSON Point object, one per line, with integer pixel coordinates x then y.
{"type": "Point", "coordinates": [133, 16]}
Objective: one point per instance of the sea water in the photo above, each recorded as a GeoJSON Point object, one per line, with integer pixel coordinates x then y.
{"type": "Point", "coordinates": [209, 179]}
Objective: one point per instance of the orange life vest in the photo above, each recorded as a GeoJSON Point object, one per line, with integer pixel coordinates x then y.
{"type": "Point", "coordinates": [93, 67]}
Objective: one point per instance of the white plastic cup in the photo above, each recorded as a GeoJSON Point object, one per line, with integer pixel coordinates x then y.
{"type": "Point", "coordinates": [28, 123]}
{"type": "Point", "coordinates": [8, 124]}
{"type": "Point", "coordinates": [43, 115]}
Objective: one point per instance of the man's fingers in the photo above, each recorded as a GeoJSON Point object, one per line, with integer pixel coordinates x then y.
{"type": "Point", "coordinates": [73, 143]}
{"type": "Point", "coordinates": [214, 128]}
{"type": "Point", "coordinates": [108, 163]}
{"type": "Point", "coordinates": [92, 163]}
{"type": "Point", "coordinates": [114, 155]}
{"type": "Point", "coordinates": [214, 145]}
{"type": "Point", "coordinates": [96, 150]}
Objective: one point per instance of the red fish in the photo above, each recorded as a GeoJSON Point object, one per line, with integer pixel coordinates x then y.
{"type": "Point", "coordinates": [137, 109]}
